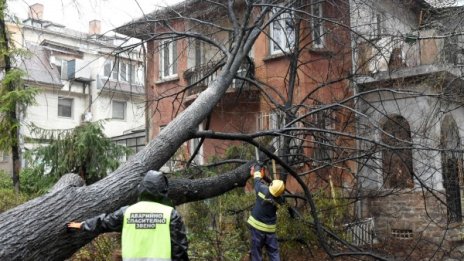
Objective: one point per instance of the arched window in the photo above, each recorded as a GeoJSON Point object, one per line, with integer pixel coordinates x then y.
{"type": "Point", "coordinates": [451, 161]}
{"type": "Point", "coordinates": [397, 157]}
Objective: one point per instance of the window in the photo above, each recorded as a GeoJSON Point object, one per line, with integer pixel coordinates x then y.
{"type": "Point", "coordinates": [168, 58]}
{"type": "Point", "coordinates": [397, 161]}
{"type": "Point", "coordinates": [119, 110]}
{"type": "Point", "coordinates": [115, 70]}
{"type": "Point", "coordinates": [122, 71]}
{"type": "Point", "coordinates": [402, 233]}
{"type": "Point", "coordinates": [135, 144]}
{"type": "Point", "coordinates": [199, 59]}
{"type": "Point", "coordinates": [123, 158]}
{"type": "Point", "coordinates": [451, 160]}
{"type": "Point", "coordinates": [111, 70]}
{"type": "Point", "coordinates": [275, 120]}
{"type": "Point", "coordinates": [317, 28]}
{"type": "Point", "coordinates": [376, 24]}
{"type": "Point", "coordinates": [137, 74]}
{"type": "Point", "coordinates": [270, 120]}
{"type": "Point", "coordinates": [282, 32]}
{"type": "Point", "coordinates": [239, 83]}
{"type": "Point", "coordinates": [323, 151]}
{"type": "Point", "coordinates": [108, 68]}
{"type": "Point", "coordinates": [61, 65]}
{"type": "Point", "coordinates": [65, 107]}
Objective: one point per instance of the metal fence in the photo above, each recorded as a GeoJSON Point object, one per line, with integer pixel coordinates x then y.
{"type": "Point", "coordinates": [361, 232]}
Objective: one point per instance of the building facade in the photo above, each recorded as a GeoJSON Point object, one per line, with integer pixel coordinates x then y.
{"type": "Point", "coordinates": [266, 92]}
{"type": "Point", "coordinates": [408, 169]}
{"type": "Point", "coordinates": [82, 77]}
{"type": "Point", "coordinates": [408, 72]}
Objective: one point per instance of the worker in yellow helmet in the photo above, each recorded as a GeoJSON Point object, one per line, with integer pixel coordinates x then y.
{"type": "Point", "coordinates": [262, 221]}
{"type": "Point", "coordinates": [151, 228]}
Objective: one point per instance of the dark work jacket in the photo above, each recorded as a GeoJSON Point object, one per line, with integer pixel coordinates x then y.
{"type": "Point", "coordinates": [114, 222]}
{"type": "Point", "coordinates": [265, 210]}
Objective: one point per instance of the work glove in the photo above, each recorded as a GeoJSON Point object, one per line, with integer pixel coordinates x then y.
{"type": "Point", "coordinates": [73, 226]}
{"type": "Point", "coordinates": [257, 171]}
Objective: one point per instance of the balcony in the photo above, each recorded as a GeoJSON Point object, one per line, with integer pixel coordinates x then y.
{"type": "Point", "coordinates": [388, 54]}
{"type": "Point", "coordinates": [118, 86]}
{"type": "Point", "coordinates": [200, 77]}
{"type": "Point", "coordinates": [396, 63]}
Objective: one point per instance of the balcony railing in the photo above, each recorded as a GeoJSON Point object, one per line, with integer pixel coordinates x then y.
{"type": "Point", "coordinates": [108, 84]}
{"type": "Point", "coordinates": [199, 77]}
{"type": "Point", "coordinates": [361, 233]}
{"type": "Point", "coordinates": [387, 53]}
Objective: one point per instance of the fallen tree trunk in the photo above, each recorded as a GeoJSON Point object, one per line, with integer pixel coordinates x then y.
{"type": "Point", "coordinates": [36, 230]}
{"type": "Point", "coordinates": [68, 180]}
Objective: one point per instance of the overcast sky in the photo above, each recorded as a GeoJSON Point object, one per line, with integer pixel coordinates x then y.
{"type": "Point", "coordinates": [76, 14]}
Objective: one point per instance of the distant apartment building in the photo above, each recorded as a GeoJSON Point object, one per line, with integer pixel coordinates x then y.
{"type": "Point", "coordinates": [83, 77]}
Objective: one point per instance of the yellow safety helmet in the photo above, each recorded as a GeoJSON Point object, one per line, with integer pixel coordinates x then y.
{"type": "Point", "coordinates": [277, 187]}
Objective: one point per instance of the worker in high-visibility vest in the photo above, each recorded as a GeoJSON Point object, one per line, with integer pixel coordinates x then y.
{"type": "Point", "coordinates": [151, 229]}
{"type": "Point", "coordinates": [263, 218]}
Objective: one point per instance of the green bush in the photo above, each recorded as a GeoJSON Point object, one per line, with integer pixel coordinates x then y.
{"type": "Point", "coordinates": [5, 180]}
{"type": "Point", "coordinates": [9, 199]}
{"type": "Point", "coordinates": [299, 233]}
{"type": "Point", "coordinates": [34, 183]}
{"type": "Point", "coordinates": [217, 227]}
{"type": "Point", "coordinates": [104, 247]}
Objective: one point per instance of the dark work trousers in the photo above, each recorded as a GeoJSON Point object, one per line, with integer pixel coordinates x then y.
{"type": "Point", "coordinates": [260, 239]}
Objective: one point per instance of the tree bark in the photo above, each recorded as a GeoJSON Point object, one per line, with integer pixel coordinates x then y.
{"type": "Point", "coordinates": [68, 180]}
{"type": "Point", "coordinates": [36, 230]}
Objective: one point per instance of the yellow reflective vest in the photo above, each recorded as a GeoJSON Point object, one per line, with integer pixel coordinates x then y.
{"type": "Point", "coordinates": [146, 232]}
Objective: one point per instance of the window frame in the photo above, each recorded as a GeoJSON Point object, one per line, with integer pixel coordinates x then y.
{"type": "Point", "coordinates": [199, 53]}
{"type": "Point", "coordinates": [324, 141]}
{"type": "Point", "coordinates": [124, 77]}
{"type": "Point", "coordinates": [319, 33]}
{"type": "Point", "coordinates": [282, 43]}
{"type": "Point", "coordinates": [71, 107]}
{"type": "Point", "coordinates": [124, 103]}
{"type": "Point", "coordinates": [115, 71]}
{"type": "Point", "coordinates": [376, 26]}
{"type": "Point", "coordinates": [171, 46]}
